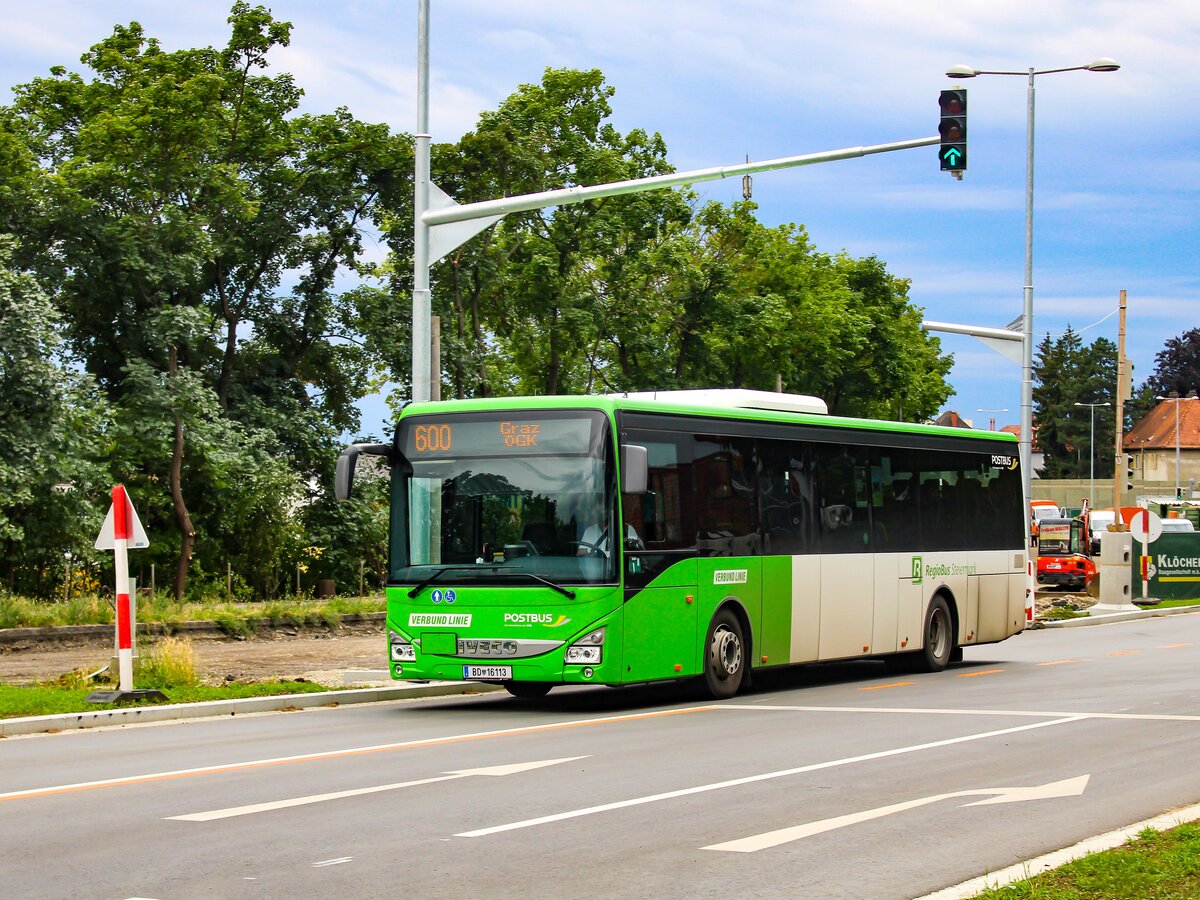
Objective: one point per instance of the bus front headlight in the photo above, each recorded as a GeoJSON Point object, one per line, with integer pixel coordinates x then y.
{"type": "Point", "coordinates": [400, 648]}
{"type": "Point", "coordinates": [588, 650]}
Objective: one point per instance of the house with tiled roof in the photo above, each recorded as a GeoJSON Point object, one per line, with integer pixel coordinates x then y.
{"type": "Point", "coordinates": [1171, 430]}
{"type": "Point", "coordinates": [951, 419]}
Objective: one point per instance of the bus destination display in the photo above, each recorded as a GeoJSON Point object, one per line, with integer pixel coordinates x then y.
{"type": "Point", "coordinates": [496, 437]}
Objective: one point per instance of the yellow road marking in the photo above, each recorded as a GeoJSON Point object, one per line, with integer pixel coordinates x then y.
{"type": "Point", "coordinates": [1124, 652]}
{"type": "Point", "coordinates": [984, 672]}
{"type": "Point", "coordinates": [1060, 662]}
{"type": "Point", "coordinates": [880, 687]}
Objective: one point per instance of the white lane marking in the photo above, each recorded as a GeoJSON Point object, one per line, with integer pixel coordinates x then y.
{"type": "Point", "coordinates": [1029, 868]}
{"type": "Point", "coordinates": [766, 776]}
{"type": "Point", "coordinates": [494, 771]}
{"type": "Point", "coordinates": [333, 862]}
{"type": "Point", "coordinates": [1034, 713]}
{"type": "Point", "coordinates": [1070, 787]}
{"type": "Point", "coordinates": [338, 754]}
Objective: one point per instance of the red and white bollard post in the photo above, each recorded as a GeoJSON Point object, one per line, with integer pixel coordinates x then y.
{"type": "Point", "coordinates": [121, 532]}
{"type": "Point", "coordinates": [121, 516]}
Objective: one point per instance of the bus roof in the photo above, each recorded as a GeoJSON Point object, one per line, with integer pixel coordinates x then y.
{"type": "Point", "coordinates": [711, 403]}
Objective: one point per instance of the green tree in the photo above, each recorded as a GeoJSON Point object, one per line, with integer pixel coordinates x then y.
{"type": "Point", "coordinates": [186, 181]}
{"type": "Point", "coordinates": [1067, 373]}
{"type": "Point", "coordinates": [52, 429]}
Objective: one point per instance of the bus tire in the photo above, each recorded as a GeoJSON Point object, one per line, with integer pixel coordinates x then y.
{"type": "Point", "coordinates": [939, 637]}
{"type": "Point", "coordinates": [528, 690]}
{"type": "Point", "coordinates": [724, 656]}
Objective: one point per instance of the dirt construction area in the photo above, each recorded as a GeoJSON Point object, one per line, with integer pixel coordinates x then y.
{"type": "Point", "coordinates": [317, 655]}
{"type": "Point", "coordinates": [314, 654]}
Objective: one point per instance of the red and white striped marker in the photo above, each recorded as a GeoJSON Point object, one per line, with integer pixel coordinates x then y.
{"type": "Point", "coordinates": [121, 527]}
{"type": "Point", "coordinates": [121, 517]}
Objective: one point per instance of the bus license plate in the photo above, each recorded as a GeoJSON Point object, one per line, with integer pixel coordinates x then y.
{"type": "Point", "coordinates": [488, 672]}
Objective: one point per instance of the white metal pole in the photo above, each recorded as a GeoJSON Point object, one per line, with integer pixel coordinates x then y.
{"type": "Point", "coordinates": [1092, 460]}
{"type": "Point", "coordinates": [1027, 344]}
{"type": "Point", "coordinates": [421, 295]}
{"type": "Point", "coordinates": [1177, 399]}
{"type": "Point", "coordinates": [1027, 319]}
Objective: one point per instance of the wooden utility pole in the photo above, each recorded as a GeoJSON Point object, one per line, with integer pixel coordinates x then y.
{"type": "Point", "coordinates": [1124, 391]}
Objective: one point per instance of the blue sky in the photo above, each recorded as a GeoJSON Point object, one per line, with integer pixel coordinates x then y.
{"type": "Point", "coordinates": [1117, 159]}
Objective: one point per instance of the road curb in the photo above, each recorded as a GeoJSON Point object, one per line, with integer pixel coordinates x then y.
{"type": "Point", "coordinates": [211, 708]}
{"type": "Point", "coordinates": [1106, 618]}
{"type": "Point", "coordinates": [1049, 861]}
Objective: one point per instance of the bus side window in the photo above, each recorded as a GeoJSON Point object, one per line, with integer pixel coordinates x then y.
{"type": "Point", "coordinates": [786, 497]}
{"type": "Point", "coordinates": [726, 496]}
{"type": "Point", "coordinates": [842, 490]}
{"type": "Point", "coordinates": [894, 521]}
{"type": "Point", "coordinates": [658, 515]}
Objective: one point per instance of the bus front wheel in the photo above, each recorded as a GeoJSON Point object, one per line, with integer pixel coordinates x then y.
{"type": "Point", "coordinates": [939, 637]}
{"type": "Point", "coordinates": [725, 657]}
{"type": "Point", "coordinates": [528, 690]}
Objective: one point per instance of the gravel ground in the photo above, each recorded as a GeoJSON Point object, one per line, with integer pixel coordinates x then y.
{"type": "Point", "coordinates": [315, 655]}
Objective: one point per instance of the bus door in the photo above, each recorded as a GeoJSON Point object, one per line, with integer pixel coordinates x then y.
{"type": "Point", "coordinates": [727, 534]}
{"type": "Point", "coordinates": [660, 625]}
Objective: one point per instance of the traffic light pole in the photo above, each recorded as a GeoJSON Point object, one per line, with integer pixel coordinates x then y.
{"type": "Point", "coordinates": [450, 224]}
{"type": "Point", "coordinates": [440, 224]}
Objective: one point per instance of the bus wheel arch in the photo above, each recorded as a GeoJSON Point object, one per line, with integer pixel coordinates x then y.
{"type": "Point", "coordinates": [726, 651]}
{"type": "Point", "coordinates": [939, 633]}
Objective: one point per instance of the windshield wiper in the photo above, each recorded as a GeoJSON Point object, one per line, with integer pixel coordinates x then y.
{"type": "Point", "coordinates": [566, 592]}
{"type": "Point", "coordinates": [496, 570]}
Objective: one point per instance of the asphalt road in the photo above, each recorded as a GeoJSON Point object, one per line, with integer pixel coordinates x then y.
{"type": "Point", "coordinates": [828, 781]}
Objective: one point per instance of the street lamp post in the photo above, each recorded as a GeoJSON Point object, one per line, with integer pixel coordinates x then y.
{"type": "Point", "coordinates": [1103, 64]}
{"type": "Point", "coordinates": [1175, 398]}
{"type": "Point", "coordinates": [1092, 453]}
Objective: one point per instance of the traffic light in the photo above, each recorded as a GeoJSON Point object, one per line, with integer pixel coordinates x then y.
{"type": "Point", "coordinates": [1179, 493]}
{"type": "Point", "coordinates": [953, 129]}
{"type": "Point", "coordinates": [1129, 471]}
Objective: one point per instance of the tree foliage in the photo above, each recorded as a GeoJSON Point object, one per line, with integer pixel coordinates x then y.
{"type": "Point", "coordinates": [1067, 376]}
{"type": "Point", "coordinates": [165, 186]}
{"type": "Point", "coordinates": [186, 305]}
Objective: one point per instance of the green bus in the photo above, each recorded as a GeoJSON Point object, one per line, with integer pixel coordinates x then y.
{"type": "Point", "coordinates": [540, 541]}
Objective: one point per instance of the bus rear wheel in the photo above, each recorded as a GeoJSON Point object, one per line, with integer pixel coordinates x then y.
{"type": "Point", "coordinates": [725, 657]}
{"type": "Point", "coordinates": [528, 690]}
{"type": "Point", "coordinates": [939, 637]}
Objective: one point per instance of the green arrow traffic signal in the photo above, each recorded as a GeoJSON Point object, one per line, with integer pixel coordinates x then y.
{"type": "Point", "coordinates": [953, 158]}
{"type": "Point", "coordinates": [953, 129]}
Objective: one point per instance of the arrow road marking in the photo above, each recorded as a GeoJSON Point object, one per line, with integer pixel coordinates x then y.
{"type": "Point", "coordinates": [1070, 787]}
{"type": "Point", "coordinates": [494, 771]}
{"type": "Point", "coordinates": [766, 776]}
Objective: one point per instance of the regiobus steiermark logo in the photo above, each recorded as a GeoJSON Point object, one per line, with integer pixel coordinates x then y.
{"type": "Point", "coordinates": [917, 569]}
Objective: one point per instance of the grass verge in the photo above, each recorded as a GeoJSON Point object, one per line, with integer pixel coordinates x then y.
{"type": "Point", "coordinates": [1058, 613]}
{"type": "Point", "coordinates": [1171, 604]}
{"type": "Point", "coordinates": [1164, 865]}
{"type": "Point", "coordinates": [235, 618]}
{"type": "Point", "coordinates": [48, 698]}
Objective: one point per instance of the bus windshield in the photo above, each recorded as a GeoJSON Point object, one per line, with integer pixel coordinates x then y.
{"type": "Point", "coordinates": [520, 498]}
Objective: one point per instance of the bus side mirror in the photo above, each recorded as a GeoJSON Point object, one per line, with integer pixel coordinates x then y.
{"type": "Point", "coordinates": [634, 469]}
{"type": "Point", "coordinates": [343, 476]}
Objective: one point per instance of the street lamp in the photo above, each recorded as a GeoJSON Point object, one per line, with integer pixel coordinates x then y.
{"type": "Point", "coordinates": [1092, 453]}
{"type": "Point", "coordinates": [1174, 396]}
{"type": "Point", "coordinates": [1103, 64]}
{"type": "Point", "coordinates": [992, 420]}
